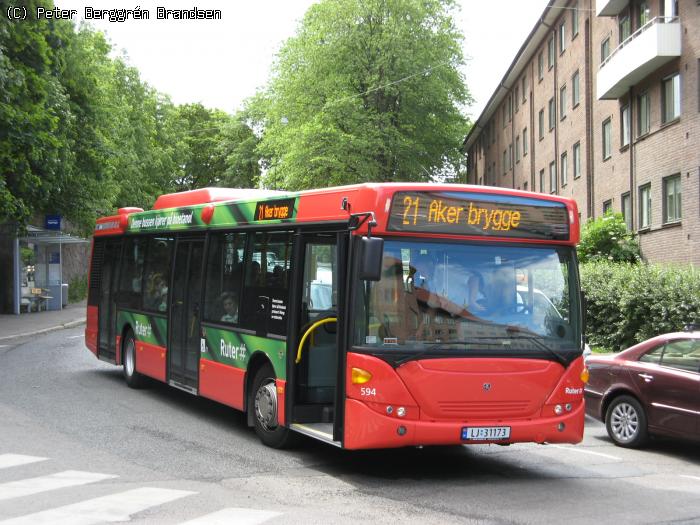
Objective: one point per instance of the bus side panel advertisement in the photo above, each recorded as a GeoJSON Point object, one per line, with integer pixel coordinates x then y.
{"type": "Point", "coordinates": [235, 349]}
{"type": "Point", "coordinates": [150, 332]}
{"type": "Point", "coordinates": [476, 214]}
{"type": "Point", "coordinates": [228, 215]}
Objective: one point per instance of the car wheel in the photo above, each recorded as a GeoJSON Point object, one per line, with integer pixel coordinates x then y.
{"type": "Point", "coordinates": [626, 422]}
{"type": "Point", "coordinates": [131, 376]}
{"type": "Point", "coordinates": [265, 409]}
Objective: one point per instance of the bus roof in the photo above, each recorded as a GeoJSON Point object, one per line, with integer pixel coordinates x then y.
{"type": "Point", "coordinates": [416, 209]}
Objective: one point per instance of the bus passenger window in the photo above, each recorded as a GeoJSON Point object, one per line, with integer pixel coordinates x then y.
{"type": "Point", "coordinates": [223, 277]}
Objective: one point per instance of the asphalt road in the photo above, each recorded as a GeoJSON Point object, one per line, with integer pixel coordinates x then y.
{"type": "Point", "coordinates": [77, 445]}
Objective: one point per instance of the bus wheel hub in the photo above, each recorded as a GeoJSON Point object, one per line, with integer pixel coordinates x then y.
{"type": "Point", "coordinates": [266, 406]}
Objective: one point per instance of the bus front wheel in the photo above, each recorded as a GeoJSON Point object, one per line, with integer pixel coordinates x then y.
{"type": "Point", "coordinates": [265, 409]}
{"type": "Point", "coordinates": [131, 376]}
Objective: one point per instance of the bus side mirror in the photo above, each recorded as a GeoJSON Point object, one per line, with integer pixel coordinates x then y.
{"type": "Point", "coordinates": [371, 254]}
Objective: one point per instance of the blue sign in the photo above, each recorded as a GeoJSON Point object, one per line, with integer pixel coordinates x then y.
{"type": "Point", "coordinates": [52, 222]}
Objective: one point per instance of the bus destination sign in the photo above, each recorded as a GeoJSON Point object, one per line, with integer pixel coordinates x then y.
{"type": "Point", "coordinates": [274, 210]}
{"type": "Point", "coordinates": [478, 214]}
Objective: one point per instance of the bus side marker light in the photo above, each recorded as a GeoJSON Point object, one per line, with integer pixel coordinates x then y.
{"type": "Point", "coordinates": [207, 213]}
{"type": "Point", "coordinates": [585, 375]}
{"type": "Point", "coordinates": [360, 376]}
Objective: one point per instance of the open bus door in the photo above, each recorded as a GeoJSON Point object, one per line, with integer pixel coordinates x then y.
{"type": "Point", "coordinates": [317, 359]}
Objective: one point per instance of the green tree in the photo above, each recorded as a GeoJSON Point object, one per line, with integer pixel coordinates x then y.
{"type": "Point", "coordinates": [366, 91]}
{"type": "Point", "coordinates": [238, 147]}
{"type": "Point", "coordinates": [199, 133]}
{"type": "Point", "coordinates": [607, 238]}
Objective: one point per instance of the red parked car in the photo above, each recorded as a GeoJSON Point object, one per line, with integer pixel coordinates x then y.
{"type": "Point", "coordinates": [652, 388]}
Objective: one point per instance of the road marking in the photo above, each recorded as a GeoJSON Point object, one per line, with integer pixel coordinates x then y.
{"type": "Point", "coordinates": [583, 451]}
{"type": "Point", "coordinates": [111, 509]}
{"type": "Point", "coordinates": [14, 460]}
{"type": "Point", "coordinates": [69, 478]}
{"type": "Point", "coordinates": [690, 477]}
{"type": "Point", "coordinates": [4, 346]}
{"type": "Point", "coordinates": [75, 336]}
{"type": "Point", "coordinates": [234, 515]}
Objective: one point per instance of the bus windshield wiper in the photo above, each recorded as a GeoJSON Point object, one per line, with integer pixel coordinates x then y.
{"type": "Point", "coordinates": [435, 346]}
{"type": "Point", "coordinates": [536, 340]}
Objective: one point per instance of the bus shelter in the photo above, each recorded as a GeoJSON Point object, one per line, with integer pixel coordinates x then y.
{"type": "Point", "coordinates": [39, 269]}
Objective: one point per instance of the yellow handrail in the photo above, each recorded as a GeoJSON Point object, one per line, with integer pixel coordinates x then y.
{"type": "Point", "coordinates": [308, 331]}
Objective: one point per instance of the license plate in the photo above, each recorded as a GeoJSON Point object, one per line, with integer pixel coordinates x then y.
{"type": "Point", "coordinates": [485, 433]}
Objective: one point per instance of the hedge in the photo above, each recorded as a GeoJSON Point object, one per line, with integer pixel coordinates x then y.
{"type": "Point", "coordinates": [628, 303]}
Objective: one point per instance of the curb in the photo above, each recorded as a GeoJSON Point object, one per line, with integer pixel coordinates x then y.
{"type": "Point", "coordinates": [69, 324]}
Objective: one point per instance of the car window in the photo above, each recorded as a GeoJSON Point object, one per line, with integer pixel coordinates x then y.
{"type": "Point", "coordinates": [683, 354]}
{"type": "Point", "coordinates": [653, 355]}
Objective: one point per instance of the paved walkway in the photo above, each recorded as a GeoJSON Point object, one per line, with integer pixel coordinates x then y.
{"type": "Point", "coordinates": [12, 326]}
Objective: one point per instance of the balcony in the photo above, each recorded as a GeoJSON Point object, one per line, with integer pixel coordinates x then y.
{"type": "Point", "coordinates": [646, 50]}
{"type": "Point", "coordinates": [610, 7]}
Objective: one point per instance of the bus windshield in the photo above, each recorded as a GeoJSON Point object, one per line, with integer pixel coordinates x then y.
{"type": "Point", "coordinates": [451, 298]}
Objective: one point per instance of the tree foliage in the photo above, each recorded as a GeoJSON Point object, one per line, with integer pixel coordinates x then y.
{"type": "Point", "coordinates": [366, 91]}
{"type": "Point", "coordinates": [607, 238]}
{"type": "Point", "coordinates": [82, 134]}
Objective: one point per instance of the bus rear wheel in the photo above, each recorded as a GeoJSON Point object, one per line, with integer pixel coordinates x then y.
{"type": "Point", "coordinates": [131, 376]}
{"type": "Point", "coordinates": [264, 405]}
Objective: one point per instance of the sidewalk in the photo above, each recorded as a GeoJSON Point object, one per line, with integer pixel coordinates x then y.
{"type": "Point", "coordinates": [13, 326]}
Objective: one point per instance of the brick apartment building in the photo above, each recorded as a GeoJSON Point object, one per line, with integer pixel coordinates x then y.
{"type": "Point", "coordinates": [602, 104]}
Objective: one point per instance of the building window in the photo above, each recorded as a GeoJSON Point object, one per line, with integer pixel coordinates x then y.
{"type": "Point", "coordinates": [524, 89]}
{"type": "Point", "coordinates": [575, 90]}
{"type": "Point", "coordinates": [504, 116]}
{"type": "Point", "coordinates": [672, 199]}
{"type": "Point", "coordinates": [625, 126]}
{"type": "Point", "coordinates": [510, 156]}
{"type": "Point", "coordinates": [540, 121]}
{"type": "Point", "coordinates": [550, 53]}
{"type": "Point", "coordinates": [524, 141]}
{"type": "Point", "coordinates": [574, 21]}
{"type": "Point", "coordinates": [562, 37]}
{"type": "Point", "coordinates": [525, 186]}
{"type": "Point", "coordinates": [542, 181]}
{"type": "Point", "coordinates": [645, 206]}
{"type": "Point", "coordinates": [564, 169]}
{"type": "Point", "coordinates": [552, 114]}
{"type": "Point", "coordinates": [562, 102]}
{"type": "Point", "coordinates": [671, 98]}
{"type": "Point", "coordinates": [540, 66]}
{"type": "Point", "coordinates": [510, 108]}
{"type": "Point", "coordinates": [604, 50]}
{"type": "Point", "coordinates": [643, 110]}
{"type": "Point", "coordinates": [577, 160]}
{"type": "Point", "coordinates": [517, 149]}
{"type": "Point", "coordinates": [607, 207]}
{"type": "Point", "coordinates": [607, 138]}
{"type": "Point", "coordinates": [670, 8]}
{"type": "Point", "coordinates": [624, 26]}
{"type": "Point", "coordinates": [626, 205]}
{"type": "Point", "coordinates": [517, 97]}
{"type": "Point", "coordinates": [505, 166]}
{"type": "Point", "coordinates": [644, 13]}
{"type": "Point", "coordinates": [552, 177]}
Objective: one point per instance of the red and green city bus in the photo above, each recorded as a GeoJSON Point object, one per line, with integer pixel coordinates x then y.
{"type": "Point", "coordinates": [365, 316]}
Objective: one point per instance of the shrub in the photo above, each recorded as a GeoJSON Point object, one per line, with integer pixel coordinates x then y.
{"type": "Point", "coordinates": [607, 238]}
{"type": "Point", "coordinates": [77, 289]}
{"type": "Point", "coordinates": [628, 303]}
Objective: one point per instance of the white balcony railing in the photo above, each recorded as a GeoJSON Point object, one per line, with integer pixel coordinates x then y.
{"type": "Point", "coordinates": [647, 49]}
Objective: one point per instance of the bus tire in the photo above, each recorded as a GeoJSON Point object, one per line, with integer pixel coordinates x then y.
{"type": "Point", "coordinates": [131, 376]}
{"type": "Point", "coordinates": [263, 403]}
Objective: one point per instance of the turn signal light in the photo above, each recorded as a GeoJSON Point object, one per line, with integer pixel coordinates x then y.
{"type": "Point", "coordinates": [360, 376]}
{"type": "Point", "coordinates": [585, 375]}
